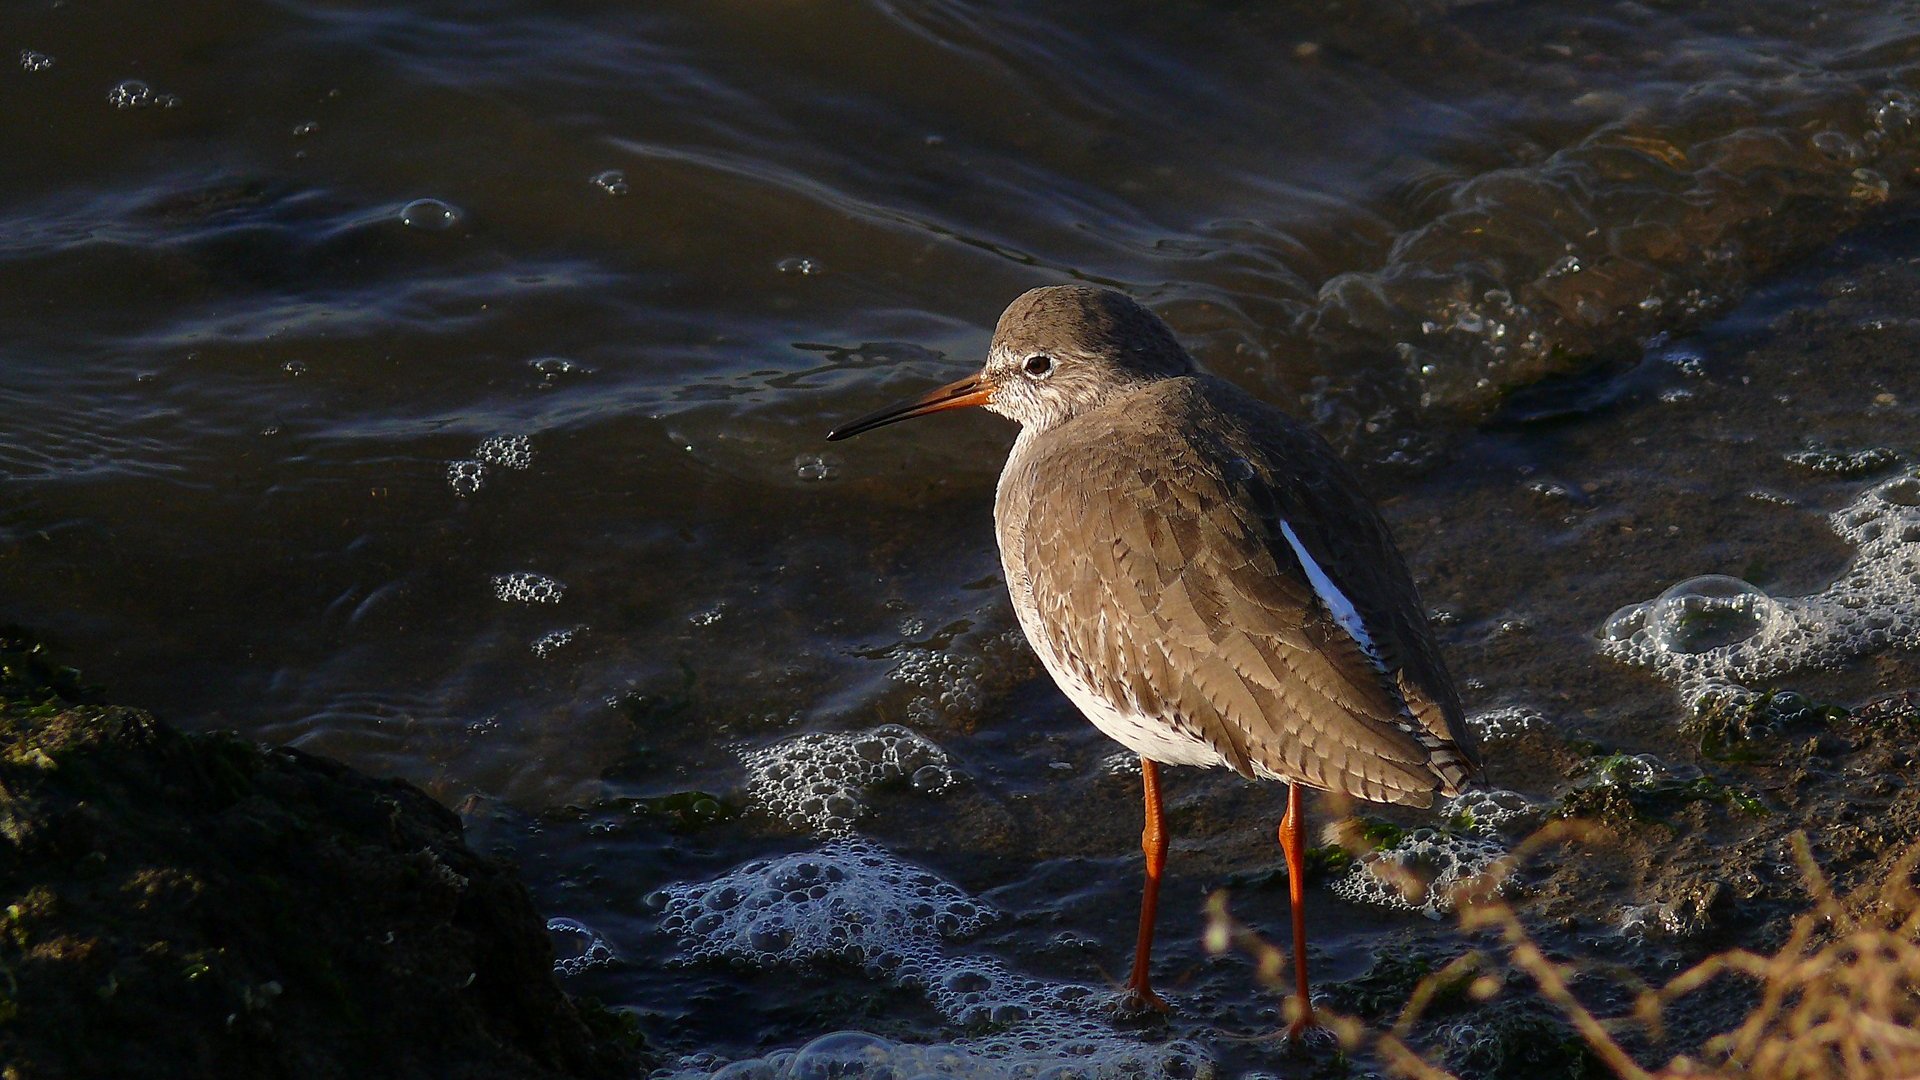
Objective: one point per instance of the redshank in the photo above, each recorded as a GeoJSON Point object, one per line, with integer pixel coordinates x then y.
{"type": "Point", "coordinates": [1203, 578]}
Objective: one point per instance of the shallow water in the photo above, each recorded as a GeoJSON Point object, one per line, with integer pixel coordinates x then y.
{"type": "Point", "coordinates": [440, 387]}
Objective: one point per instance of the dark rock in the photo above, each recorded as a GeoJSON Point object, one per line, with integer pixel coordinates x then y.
{"type": "Point", "coordinates": [192, 905]}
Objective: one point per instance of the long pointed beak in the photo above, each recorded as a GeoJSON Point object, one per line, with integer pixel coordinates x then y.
{"type": "Point", "coordinates": [958, 394]}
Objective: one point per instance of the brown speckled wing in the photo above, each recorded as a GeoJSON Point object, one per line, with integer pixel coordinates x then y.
{"type": "Point", "coordinates": [1160, 573]}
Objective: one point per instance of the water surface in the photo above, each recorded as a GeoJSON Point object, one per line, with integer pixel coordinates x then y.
{"type": "Point", "coordinates": [441, 387]}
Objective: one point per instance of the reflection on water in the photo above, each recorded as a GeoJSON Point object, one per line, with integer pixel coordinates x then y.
{"type": "Point", "coordinates": [441, 387]}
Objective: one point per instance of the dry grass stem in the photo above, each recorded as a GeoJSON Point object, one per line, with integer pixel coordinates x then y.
{"type": "Point", "coordinates": [1840, 998]}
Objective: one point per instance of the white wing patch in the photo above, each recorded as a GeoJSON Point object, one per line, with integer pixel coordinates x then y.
{"type": "Point", "coordinates": [1336, 601]}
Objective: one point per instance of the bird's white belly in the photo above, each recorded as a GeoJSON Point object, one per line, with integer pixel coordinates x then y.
{"type": "Point", "coordinates": [1150, 737]}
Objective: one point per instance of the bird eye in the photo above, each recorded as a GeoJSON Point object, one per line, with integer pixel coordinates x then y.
{"type": "Point", "coordinates": [1039, 367]}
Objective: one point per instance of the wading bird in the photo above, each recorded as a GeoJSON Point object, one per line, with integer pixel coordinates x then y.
{"type": "Point", "coordinates": [1203, 578]}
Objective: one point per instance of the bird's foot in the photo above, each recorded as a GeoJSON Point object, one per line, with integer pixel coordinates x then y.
{"type": "Point", "coordinates": [1141, 1000]}
{"type": "Point", "coordinates": [1305, 1033]}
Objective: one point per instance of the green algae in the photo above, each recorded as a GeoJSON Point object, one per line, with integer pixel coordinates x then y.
{"type": "Point", "coordinates": [1618, 789]}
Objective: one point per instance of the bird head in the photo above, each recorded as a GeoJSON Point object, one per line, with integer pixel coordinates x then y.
{"type": "Point", "coordinates": [1057, 352]}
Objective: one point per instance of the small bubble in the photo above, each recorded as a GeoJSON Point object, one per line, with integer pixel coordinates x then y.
{"type": "Point", "coordinates": [1710, 612]}
{"type": "Point", "coordinates": [294, 367]}
{"type": "Point", "coordinates": [612, 181]}
{"type": "Point", "coordinates": [301, 131]}
{"type": "Point", "coordinates": [35, 61]}
{"type": "Point", "coordinates": [1895, 112]}
{"type": "Point", "coordinates": [430, 215]}
{"type": "Point", "coordinates": [1839, 147]}
{"type": "Point", "coordinates": [799, 265]}
{"type": "Point", "coordinates": [932, 779]}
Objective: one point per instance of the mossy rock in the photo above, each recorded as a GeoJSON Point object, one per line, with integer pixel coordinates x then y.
{"type": "Point", "coordinates": [191, 905]}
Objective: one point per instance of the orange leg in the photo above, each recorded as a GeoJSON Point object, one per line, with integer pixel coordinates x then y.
{"type": "Point", "coordinates": [1293, 841]}
{"type": "Point", "coordinates": [1153, 843]}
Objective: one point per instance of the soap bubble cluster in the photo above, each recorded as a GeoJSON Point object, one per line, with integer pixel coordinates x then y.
{"type": "Point", "coordinates": [1634, 772]}
{"type": "Point", "coordinates": [554, 640]}
{"type": "Point", "coordinates": [586, 948]}
{"type": "Point", "coordinates": [1643, 923]}
{"type": "Point", "coordinates": [468, 475]}
{"type": "Point", "coordinates": [506, 451]}
{"type": "Point", "coordinates": [857, 1053]}
{"type": "Point", "coordinates": [815, 781]}
{"type": "Point", "coordinates": [955, 681]}
{"type": "Point", "coordinates": [1420, 872]}
{"type": "Point", "coordinates": [1833, 462]}
{"type": "Point", "coordinates": [527, 588]}
{"type": "Point", "coordinates": [853, 902]}
{"type": "Point", "coordinates": [1491, 811]}
{"type": "Point", "coordinates": [1713, 636]}
{"type": "Point", "coordinates": [134, 94]}
{"type": "Point", "coordinates": [1506, 722]}
{"type": "Point", "coordinates": [850, 900]}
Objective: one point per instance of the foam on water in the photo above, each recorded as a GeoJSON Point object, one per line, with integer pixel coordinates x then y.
{"type": "Point", "coordinates": [1506, 722]}
{"type": "Point", "coordinates": [527, 588]}
{"type": "Point", "coordinates": [1646, 923]}
{"type": "Point", "coordinates": [1835, 462]}
{"type": "Point", "coordinates": [467, 476]}
{"type": "Point", "coordinates": [554, 640]}
{"type": "Point", "coordinates": [815, 781]}
{"type": "Point", "coordinates": [1632, 771]}
{"type": "Point", "coordinates": [853, 902]}
{"type": "Point", "coordinates": [506, 451]}
{"type": "Point", "coordinates": [1420, 872]}
{"type": "Point", "coordinates": [135, 94]}
{"type": "Point", "coordinates": [1491, 811]}
{"type": "Point", "coordinates": [1714, 636]}
{"type": "Point", "coordinates": [956, 680]}
{"type": "Point", "coordinates": [585, 948]}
